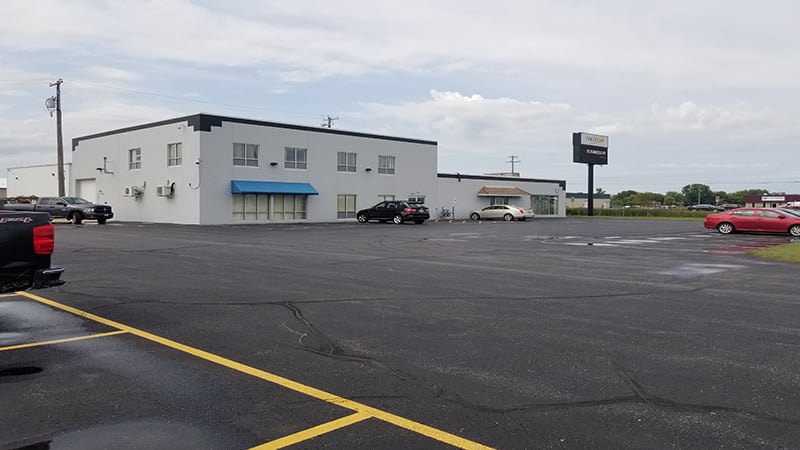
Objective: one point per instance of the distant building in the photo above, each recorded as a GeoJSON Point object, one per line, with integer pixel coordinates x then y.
{"type": "Point", "coordinates": [772, 200]}
{"type": "Point", "coordinates": [581, 200]}
{"type": "Point", "coordinates": [41, 181]}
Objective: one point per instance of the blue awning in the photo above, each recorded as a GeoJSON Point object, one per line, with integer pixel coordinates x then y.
{"type": "Point", "coordinates": [271, 187]}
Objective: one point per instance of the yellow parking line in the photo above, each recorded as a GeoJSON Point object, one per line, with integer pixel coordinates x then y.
{"type": "Point", "coordinates": [60, 341]}
{"type": "Point", "coordinates": [402, 422]}
{"type": "Point", "coordinates": [311, 433]}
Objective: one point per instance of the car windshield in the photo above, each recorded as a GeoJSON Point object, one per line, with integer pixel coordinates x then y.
{"type": "Point", "coordinates": [76, 201]}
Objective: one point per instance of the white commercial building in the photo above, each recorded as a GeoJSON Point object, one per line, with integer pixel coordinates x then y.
{"type": "Point", "coordinates": [209, 169]}
{"type": "Point", "coordinates": [40, 181]}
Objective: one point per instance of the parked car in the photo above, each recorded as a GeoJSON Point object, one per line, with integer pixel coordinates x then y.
{"type": "Point", "coordinates": [768, 220]}
{"type": "Point", "coordinates": [504, 212]}
{"type": "Point", "coordinates": [705, 207]}
{"type": "Point", "coordinates": [74, 209]}
{"type": "Point", "coordinates": [27, 240]}
{"type": "Point", "coordinates": [397, 211]}
{"type": "Point", "coordinates": [727, 206]}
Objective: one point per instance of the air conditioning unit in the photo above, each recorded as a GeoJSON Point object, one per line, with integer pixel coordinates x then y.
{"type": "Point", "coordinates": [131, 191]}
{"type": "Point", "coordinates": [164, 191]}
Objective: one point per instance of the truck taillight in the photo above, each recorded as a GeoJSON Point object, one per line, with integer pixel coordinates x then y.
{"type": "Point", "coordinates": [44, 239]}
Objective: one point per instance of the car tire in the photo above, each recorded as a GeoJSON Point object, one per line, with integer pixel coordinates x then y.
{"type": "Point", "coordinates": [101, 221]}
{"type": "Point", "coordinates": [725, 228]}
{"type": "Point", "coordinates": [508, 217]}
{"type": "Point", "coordinates": [475, 216]}
{"type": "Point", "coordinates": [362, 218]}
{"type": "Point", "coordinates": [397, 219]}
{"type": "Point", "coordinates": [794, 230]}
{"type": "Point", "coordinates": [76, 218]}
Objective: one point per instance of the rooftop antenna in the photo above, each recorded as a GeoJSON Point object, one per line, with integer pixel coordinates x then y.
{"type": "Point", "coordinates": [328, 122]}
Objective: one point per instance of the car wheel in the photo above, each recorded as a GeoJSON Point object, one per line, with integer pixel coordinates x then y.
{"type": "Point", "coordinates": [76, 218]}
{"type": "Point", "coordinates": [794, 230]}
{"type": "Point", "coordinates": [725, 228]}
{"type": "Point", "coordinates": [508, 217]}
{"type": "Point", "coordinates": [101, 221]}
{"type": "Point", "coordinates": [397, 219]}
{"type": "Point", "coordinates": [362, 218]}
{"type": "Point", "coordinates": [419, 222]}
{"type": "Point", "coordinates": [475, 216]}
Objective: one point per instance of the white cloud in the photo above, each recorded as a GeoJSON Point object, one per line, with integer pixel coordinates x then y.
{"type": "Point", "coordinates": [687, 81]}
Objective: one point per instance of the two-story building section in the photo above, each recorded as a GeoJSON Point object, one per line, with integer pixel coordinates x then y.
{"type": "Point", "coordinates": [209, 169]}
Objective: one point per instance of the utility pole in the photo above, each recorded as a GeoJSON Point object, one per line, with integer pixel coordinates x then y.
{"type": "Point", "coordinates": [59, 136]}
{"type": "Point", "coordinates": [329, 122]}
{"type": "Point", "coordinates": [514, 160]}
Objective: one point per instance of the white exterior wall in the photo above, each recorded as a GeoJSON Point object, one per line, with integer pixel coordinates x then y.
{"type": "Point", "coordinates": [203, 191]}
{"type": "Point", "coordinates": [415, 168]}
{"type": "Point", "coordinates": [463, 195]}
{"type": "Point", "coordinates": [41, 181]}
{"type": "Point", "coordinates": [182, 208]}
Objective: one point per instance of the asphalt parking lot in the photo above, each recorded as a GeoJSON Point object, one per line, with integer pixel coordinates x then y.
{"type": "Point", "coordinates": [562, 333]}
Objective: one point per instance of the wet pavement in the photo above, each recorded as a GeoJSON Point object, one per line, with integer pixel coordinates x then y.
{"type": "Point", "coordinates": [563, 333]}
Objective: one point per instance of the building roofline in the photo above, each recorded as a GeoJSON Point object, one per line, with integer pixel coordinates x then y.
{"type": "Point", "coordinates": [561, 183]}
{"type": "Point", "coordinates": [204, 122]}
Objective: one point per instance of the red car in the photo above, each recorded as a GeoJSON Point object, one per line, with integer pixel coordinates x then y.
{"type": "Point", "coordinates": [766, 220]}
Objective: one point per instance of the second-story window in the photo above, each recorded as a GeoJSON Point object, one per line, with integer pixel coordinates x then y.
{"type": "Point", "coordinates": [346, 162]}
{"type": "Point", "coordinates": [296, 158]}
{"type": "Point", "coordinates": [245, 154]}
{"type": "Point", "coordinates": [174, 154]}
{"type": "Point", "coordinates": [386, 164]}
{"type": "Point", "coordinates": [135, 158]}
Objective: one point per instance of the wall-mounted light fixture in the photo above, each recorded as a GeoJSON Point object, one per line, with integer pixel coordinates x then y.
{"type": "Point", "coordinates": [368, 169]}
{"type": "Point", "coordinates": [273, 163]}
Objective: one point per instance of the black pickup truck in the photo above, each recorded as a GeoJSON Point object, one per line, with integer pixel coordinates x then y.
{"type": "Point", "coordinates": [27, 240]}
{"type": "Point", "coordinates": [74, 209]}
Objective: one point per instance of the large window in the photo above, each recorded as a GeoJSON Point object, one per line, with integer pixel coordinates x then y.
{"type": "Point", "coordinates": [174, 154]}
{"type": "Point", "coordinates": [386, 164]}
{"type": "Point", "coordinates": [245, 154]}
{"type": "Point", "coordinates": [544, 204]}
{"type": "Point", "coordinates": [345, 206]}
{"type": "Point", "coordinates": [250, 207]}
{"type": "Point", "coordinates": [296, 158]}
{"type": "Point", "coordinates": [385, 197]}
{"type": "Point", "coordinates": [345, 162]}
{"type": "Point", "coordinates": [134, 158]}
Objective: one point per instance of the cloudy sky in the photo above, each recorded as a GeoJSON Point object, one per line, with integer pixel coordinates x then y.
{"type": "Point", "coordinates": [688, 92]}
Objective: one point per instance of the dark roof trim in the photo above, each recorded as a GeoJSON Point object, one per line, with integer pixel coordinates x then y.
{"type": "Point", "coordinates": [204, 122]}
{"type": "Point", "coordinates": [460, 176]}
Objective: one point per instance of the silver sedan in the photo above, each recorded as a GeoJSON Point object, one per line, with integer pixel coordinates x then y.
{"type": "Point", "coordinates": [504, 212]}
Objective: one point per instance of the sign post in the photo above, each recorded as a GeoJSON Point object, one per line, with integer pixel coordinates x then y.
{"type": "Point", "coordinates": [590, 149]}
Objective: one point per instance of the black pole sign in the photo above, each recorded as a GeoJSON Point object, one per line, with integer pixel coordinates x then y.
{"type": "Point", "coordinates": [590, 149]}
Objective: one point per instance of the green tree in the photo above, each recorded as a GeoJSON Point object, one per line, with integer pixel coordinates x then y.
{"type": "Point", "coordinates": [674, 198]}
{"type": "Point", "coordinates": [697, 193]}
{"type": "Point", "coordinates": [622, 198]}
{"type": "Point", "coordinates": [647, 199]}
{"type": "Point", "coordinates": [738, 196]}
{"type": "Point", "coordinates": [600, 191]}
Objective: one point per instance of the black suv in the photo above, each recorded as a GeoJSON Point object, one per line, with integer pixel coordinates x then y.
{"type": "Point", "coordinates": [395, 210]}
